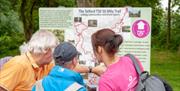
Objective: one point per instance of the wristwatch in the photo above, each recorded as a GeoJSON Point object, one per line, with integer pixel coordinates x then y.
{"type": "Point", "coordinates": [90, 69]}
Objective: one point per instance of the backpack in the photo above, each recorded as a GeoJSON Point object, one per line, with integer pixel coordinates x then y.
{"type": "Point", "coordinates": [148, 82]}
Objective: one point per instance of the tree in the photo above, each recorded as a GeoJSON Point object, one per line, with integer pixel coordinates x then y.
{"type": "Point", "coordinates": [27, 7]}
{"type": "Point", "coordinates": [28, 11]}
{"type": "Point", "coordinates": [175, 39]}
{"type": "Point", "coordinates": [21, 16]}
{"type": "Point", "coordinates": [169, 23]}
{"type": "Point", "coordinates": [11, 30]}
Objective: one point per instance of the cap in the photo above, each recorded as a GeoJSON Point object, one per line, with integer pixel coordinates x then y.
{"type": "Point", "coordinates": [65, 52]}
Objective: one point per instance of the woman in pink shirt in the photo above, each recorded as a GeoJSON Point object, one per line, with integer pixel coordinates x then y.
{"type": "Point", "coordinates": [120, 74]}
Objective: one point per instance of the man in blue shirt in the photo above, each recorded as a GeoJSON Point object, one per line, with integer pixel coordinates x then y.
{"type": "Point", "coordinates": [62, 77]}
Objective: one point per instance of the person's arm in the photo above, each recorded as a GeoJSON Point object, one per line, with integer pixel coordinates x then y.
{"type": "Point", "coordinates": [81, 68]}
{"type": "Point", "coordinates": [98, 70]}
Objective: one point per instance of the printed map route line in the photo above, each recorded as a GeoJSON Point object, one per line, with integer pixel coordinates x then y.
{"type": "Point", "coordinates": [80, 35]}
{"type": "Point", "coordinates": [81, 27]}
{"type": "Point", "coordinates": [120, 23]}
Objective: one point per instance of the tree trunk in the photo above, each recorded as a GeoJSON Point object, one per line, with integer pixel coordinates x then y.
{"type": "Point", "coordinates": [47, 3]}
{"type": "Point", "coordinates": [169, 23]}
{"type": "Point", "coordinates": [179, 50]}
{"type": "Point", "coordinates": [27, 18]}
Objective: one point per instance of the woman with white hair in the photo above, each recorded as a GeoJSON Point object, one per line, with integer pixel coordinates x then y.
{"type": "Point", "coordinates": [21, 72]}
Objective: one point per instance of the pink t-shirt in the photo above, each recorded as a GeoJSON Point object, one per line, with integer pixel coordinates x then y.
{"type": "Point", "coordinates": [120, 76]}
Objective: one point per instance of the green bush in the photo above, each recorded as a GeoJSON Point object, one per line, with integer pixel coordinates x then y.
{"type": "Point", "coordinates": [11, 30]}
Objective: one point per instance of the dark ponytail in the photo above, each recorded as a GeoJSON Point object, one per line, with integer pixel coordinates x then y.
{"type": "Point", "coordinates": [107, 39]}
{"type": "Point", "coordinates": [118, 39]}
{"type": "Point", "coordinates": [112, 44]}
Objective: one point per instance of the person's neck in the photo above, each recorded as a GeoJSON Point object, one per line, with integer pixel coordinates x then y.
{"type": "Point", "coordinates": [110, 60]}
{"type": "Point", "coordinates": [37, 58]}
{"type": "Point", "coordinates": [68, 66]}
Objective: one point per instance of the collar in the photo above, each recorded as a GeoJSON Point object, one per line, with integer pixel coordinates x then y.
{"type": "Point", "coordinates": [32, 61]}
{"type": "Point", "coordinates": [63, 72]}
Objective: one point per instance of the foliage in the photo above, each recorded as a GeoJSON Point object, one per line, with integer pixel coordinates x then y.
{"type": "Point", "coordinates": [66, 3]}
{"type": "Point", "coordinates": [175, 39]}
{"type": "Point", "coordinates": [10, 44]}
{"type": "Point", "coordinates": [157, 20]}
{"type": "Point", "coordinates": [17, 16]}
{"type": "Point", "coordinates": [28, 12]}
{"type": "Point", "coordinates": [122, 3]}
{"type": "Point", "coordinates": [159, 40]}
{"type": "Point", "coordinates": [19, 19]}
{"type": "Point", "coordinates": [10, 30]}
{"type": "Point", "coordinates": [59, 34]}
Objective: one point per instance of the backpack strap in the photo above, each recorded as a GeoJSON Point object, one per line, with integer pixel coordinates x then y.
{"type": "Point", "coordinates": [39, 86]}
{"type": "Point", "coordinates": [74, 87]}
{"type": "Point", "coordinates": [135, 63]}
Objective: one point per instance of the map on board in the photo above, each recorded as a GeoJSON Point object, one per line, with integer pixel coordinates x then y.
{"type": "Point", "coordinates": [76, 25]}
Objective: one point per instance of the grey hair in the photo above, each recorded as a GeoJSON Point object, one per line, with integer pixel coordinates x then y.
{"type": "Point", "coordinates": [41, 41]}
{"type": "Point", "coordinates": [23, 48]}
{"type": "Point", "coordinates": [62, 63]}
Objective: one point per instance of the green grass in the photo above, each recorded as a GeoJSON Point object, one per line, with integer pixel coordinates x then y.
{"type": "Point", "coordinates": [166, 64]}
